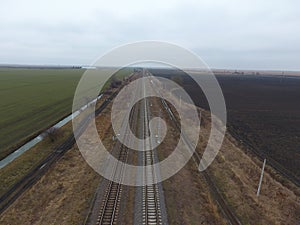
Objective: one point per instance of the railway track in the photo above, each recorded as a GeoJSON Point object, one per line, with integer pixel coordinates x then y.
{"type": "Point", "coordinates": [150, 193]}
{"type": "Point", "coordinates": [150, 202]}
{"type": "Point", "coordinates": [111, 202]}
{"type": "Point", "coordinates": [106, 205]}
{"type": "Point", "coordinates": [36, 173]}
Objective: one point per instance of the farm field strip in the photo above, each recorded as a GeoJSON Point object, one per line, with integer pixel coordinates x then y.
{"type": "Point", "coordinates": [34, 99]}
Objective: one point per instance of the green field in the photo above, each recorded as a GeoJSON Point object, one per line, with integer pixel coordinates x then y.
{"type": "Point", "coordinates": [32, 100]}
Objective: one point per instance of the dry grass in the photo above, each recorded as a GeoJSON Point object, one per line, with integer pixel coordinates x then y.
{"type": "Point", "coordinates": [14, 171]}
{"type": "Point", "coordinates": [238, 175]}
{"type": "Point", "coordinates": [60, 197]}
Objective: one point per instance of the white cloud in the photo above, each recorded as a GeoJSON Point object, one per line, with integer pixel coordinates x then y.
{"type": "Point", "coordinates": [232, 33]}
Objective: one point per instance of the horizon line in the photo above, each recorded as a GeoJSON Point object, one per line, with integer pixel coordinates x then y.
{"type": "Point", "coordinates": [21, 65]}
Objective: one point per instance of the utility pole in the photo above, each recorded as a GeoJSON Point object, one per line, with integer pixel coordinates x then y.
{"type": "Point", "coordinates": [158, 130]}
{"type": "Point", "coordinates": [261, 177]}
{"type": "Point", "coordinates": [179, 104]}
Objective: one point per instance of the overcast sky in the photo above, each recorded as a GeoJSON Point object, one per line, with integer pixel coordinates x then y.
{"type": "Point", "coordinates": [248, 34]}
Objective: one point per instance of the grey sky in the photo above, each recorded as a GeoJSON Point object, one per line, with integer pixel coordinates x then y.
{"type": "Point", "coordinates": [248, 34]}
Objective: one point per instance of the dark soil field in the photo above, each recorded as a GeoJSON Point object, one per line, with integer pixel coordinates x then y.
{"type": "Point", "coordinates": [262, 111]}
